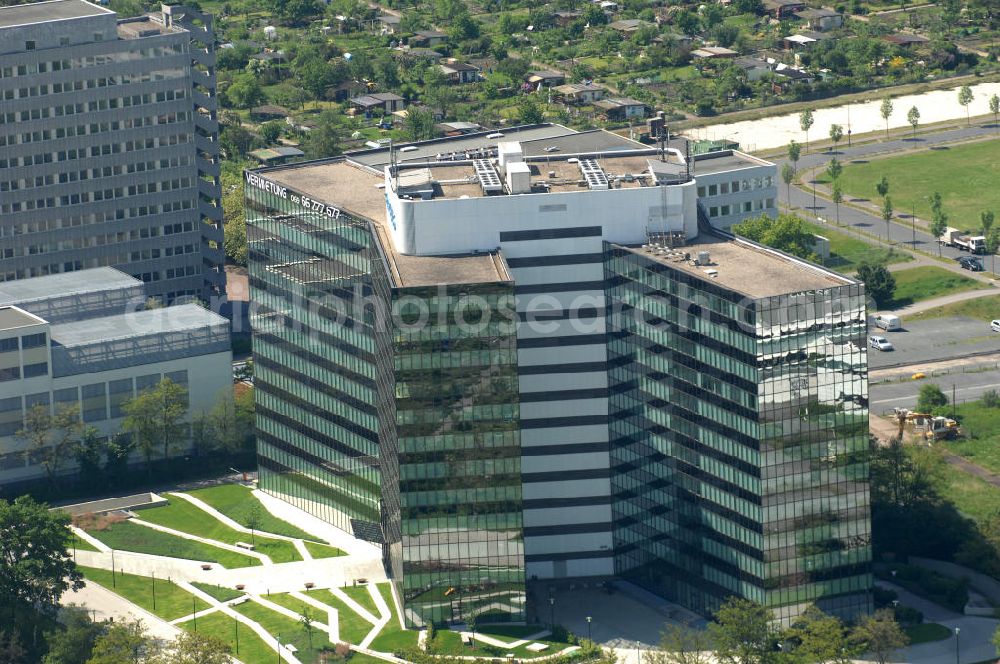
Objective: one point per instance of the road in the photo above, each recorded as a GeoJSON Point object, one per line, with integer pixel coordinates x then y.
{"type": "Point", "coordinates": [900, 230]}
{"type": "Point", "coordinates": [968, 386]}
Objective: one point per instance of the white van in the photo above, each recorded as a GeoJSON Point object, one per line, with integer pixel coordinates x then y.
{"type": "Point", "coordinates": [888, 322]}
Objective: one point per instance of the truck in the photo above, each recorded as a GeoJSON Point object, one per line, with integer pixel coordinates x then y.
{"type": "Point", "coordinates": [953, 237]}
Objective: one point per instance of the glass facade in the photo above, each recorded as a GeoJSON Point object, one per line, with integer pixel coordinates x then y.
{"type": "Point", "coordinates": [321, 400]}
{"type": "Point", "coordinates": [460, 454]}
{"type": "Point", "coordinates": [738, 440]}
{"type": "Point", "coordinates": [389, 412]}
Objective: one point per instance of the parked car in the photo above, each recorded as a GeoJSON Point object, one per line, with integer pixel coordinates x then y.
{"type": "Point", "coordinates": [880, 343]}
{"type": "Point", "coordinates": [995, 325]}
{"type": "Point", "coordinates": [971, 263]}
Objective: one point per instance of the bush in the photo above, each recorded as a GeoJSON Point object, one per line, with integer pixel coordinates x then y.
{"type": "Point", "coordinates": [991, 399]}
{"type": "Point", "coordinates": [930, 397]}
{"type": "Point", "coordinates": [951, 593]}
{"type": "Point", "coordinates": [883, 597]}
{"type": "Point", "coordinates": [907, 615]}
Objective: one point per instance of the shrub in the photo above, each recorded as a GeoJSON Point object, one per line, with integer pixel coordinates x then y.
{"type": "Point", "coordinates": [991, 399]}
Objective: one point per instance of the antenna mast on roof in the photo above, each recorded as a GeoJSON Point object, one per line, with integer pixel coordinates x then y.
{"type": "Point", "coordinates": [393, 167]}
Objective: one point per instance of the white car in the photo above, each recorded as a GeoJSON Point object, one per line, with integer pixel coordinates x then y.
{"type": "Point", "coordinates": [880, 343]}
{"type": "Point", "coordinates": [995, 325]}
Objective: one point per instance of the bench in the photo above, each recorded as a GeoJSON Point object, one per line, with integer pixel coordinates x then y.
{"type": "Point", "coordinates": [246, 545]}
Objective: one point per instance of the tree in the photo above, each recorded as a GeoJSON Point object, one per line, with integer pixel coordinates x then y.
{"type": "Point", "coordinates": [881, 635]}
{"type": "Point", "coordinates": [419, 124]}
{"type": "Point", "coordinates": [930, 397]}
{"type": "Point", "coordinates": [88, 451]}
{"type": "Point", "coordinates": [125, 642]}
{"type": "Point", "coordinates": [681, 644]}
{"type": "Point", "coordinates": [271, 131]}
{"type": "Point", "coordinates": [836, 133]}
{"type": "Point", "coordinates": [231, 422]}
{"type": "Point", "coordinates": [234, 238]}
{"type": "Point", "coordinates": [794, 152]}
{"type": "Point", "coordinates": [882, 187]}
{"type": "Point", "coordinates": [995, 109]}
{"type": "Point", "coordinates": [965, 98]}
{"type": "Point", "coordinates": [913, 117]}
{"type": "Point", "coordinates": [886, 111]}
{"type": "Point", "coordinates": [195, 648]}
{"type": "Point", "coordinates": [252, 520]}
{"type": "Point", "coordinates": [306, 623]}
{"type": "Point", "coordinates": [887, 215]}
{"type": "Point", "coordinates": [787, 175]}
{"type": "Point", "coordinates": [528, 111]}
{"type": "Point", "coordinates": [35, 566]}
{"type": "Point", "coordinates": [806, 122]}
{"type": "Point", "coordinates": [837, 194]}
{"type": "Point", "coordinates": [11, 650]}
{"type": "Point", "coordinates": [986, 220]}
{"type": "Point", "coordinates": [786, 233]}
{"type": "Point", "coordinates": [244, 91]}
{"type": "Point", "coordinates": [50, 437]}
{"type": "Point", "coordinates": [879, 282]}
{"type": "Point", "coordinates": [742, 632]}
{"type": "Point", "coordinates": [820, 638]}
{"type": "Point", "coordinates": [939, 220]}
{"type": "Point", "coordinates": [834, 169]}
{"type": "Point", "coordinates": [992, 246]}
{"type": "Point", "coordinates": [153, 417]}
{"type": "Point", "coordinates": [324, 139]}
{"type": "Point", "coordinates": [74, 642]}
{"type": "Point", "coordinates": [443, 97]}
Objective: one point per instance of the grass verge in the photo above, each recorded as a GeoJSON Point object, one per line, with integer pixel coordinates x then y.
{"type": "Point", "coordinates": [172, 601]}
{"type": "Point", "coordinates": [927, 632]}
{"type": "Point", "coordinates": [392, 638]}
{"type": "Point", "coordinates": [244, 645]}
{"type": "Point", "coordinates": [847, 252]}
{"type": "Point", "coordinates": [126, 536]}
{"type": "Point", "coordinates": [353, 628]}
{"type": "Point", "coordinates": [185, 517]}
{"type": "Point", "coordinates": [985, 308]}
{"type": "Point", "coordinates": [218, 592]}
{"type": "Point", "coordinates": [286, 630]}
{"type": "Point", "coordinates": [916, 284]}
{"type": "Point", "coordinates": [80, 544]}
{"type": "Point", "coordinates": [236, 501]}
{"type": "Point", "coordinates": [361, 595]}
{"type": "Point", "coordinates": [322, 550]}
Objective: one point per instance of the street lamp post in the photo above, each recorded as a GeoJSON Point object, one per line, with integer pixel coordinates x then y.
{"type": "Point", "coordinates": [113, 584]}
{"type": "Point", "coordinates": [957, 630]}
{"type": "Point", "coordinates": [552, 613]}
{"type": "Point", "coordinates": [589, 636]}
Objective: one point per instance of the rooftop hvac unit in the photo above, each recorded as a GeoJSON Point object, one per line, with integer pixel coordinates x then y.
{"type": "Point", "coordinates": [509, 152]}
{"type": "Point", "coordinates": [704, 258]}
{"type": "Point", "coordinates": [593, 174]}
{"type": "Point", "coordinates": [488, 178]}
{"type": "Point", "coordinates": [519, 178]}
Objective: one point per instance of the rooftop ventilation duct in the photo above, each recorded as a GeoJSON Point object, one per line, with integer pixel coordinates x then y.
{"type": "Point", "coordinates": [488, 178]}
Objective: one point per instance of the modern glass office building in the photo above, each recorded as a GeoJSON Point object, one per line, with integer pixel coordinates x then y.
{"type": "Point", "coordinates": [538, 360]}
{"type": "Point", "coordinates": [739, 417]}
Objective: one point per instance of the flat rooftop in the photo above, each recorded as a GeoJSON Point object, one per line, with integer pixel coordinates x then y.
{"type": "Point", "coordinates": [143, 27]}
{"type": "Point", "coordinates": [182, 318]}
{"type": "Point", "coordinates": [722, 161]}
{"type": "Point", "coordinates": [355, 190]}
{"type": "Point", "coordinates": [43, 12]}
{"type": "Point", "coordinates": [745, 267]}
{"type": "Point", "coordinates": [13, 318]}
{"type": "Point", "coordinates": [533, 138]}
{"type": "Point", "coordinates": [65, 284]}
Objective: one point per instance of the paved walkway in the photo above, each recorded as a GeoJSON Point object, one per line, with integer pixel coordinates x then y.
{"type": "Point", "coordinates": [933, 303]}
{"type": "Point", "coordinates": [104, 604]}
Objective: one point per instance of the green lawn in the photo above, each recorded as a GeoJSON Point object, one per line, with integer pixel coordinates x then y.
{"type": "Point", "coordinates": [298, 606]}
{"type": "Point", "coordinates": [181, 515]}
{"type": "Point", "coordinates": [392, 638]}
{"type": "Point", "coordinates": [924, 283]}
{"type": "Point", "coordinates": [251, 650]}
{"type": "Point", "coordinates": [353, 628]}
{"type": "Point", "coordinates": [927, 632]}
{"type": "Point", "coordinates": [513, 632]}
{"type": "Point", "coordinates": [126, 536]}
{"type": "Point", "coordinates": [235, 501]}
{"type": "Point", "coordinates": [322, 550]}
{"type": "Point", "coordinates": [80, 544]}
{"type": "Point", "coordinates": [361, 595]}
{"type": "Point", "coordinates": [966, 176]}
{"type": "Point", "coordinates": [286, 630]}
{"type": "Point", "coordinates": [220, 593]}
{"type": "Point", "coordinates": [981, 426]}
{"type": "Point", "coordinates": [971, 496]}
{"type": "Point", "coordinates": [982, 308]}
{"type": "Point", "coordinates": [847, 252]}
{"type": "Point", "coordinates": [172, 601]}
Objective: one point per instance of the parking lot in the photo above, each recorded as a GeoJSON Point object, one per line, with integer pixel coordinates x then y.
{"type": "Point", "coordinates": [936, 339]}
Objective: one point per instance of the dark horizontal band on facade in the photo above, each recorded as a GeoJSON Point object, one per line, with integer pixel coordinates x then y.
{"type": "Point", "coordinates": [550, 233]}
{"type": "Point", "coordinates": [547, 261]}
{"type": "Point", "coordinates": [551, 422]}
{"type": "Point", "coordinates": [563, 287]}
{"type": "Point", "coordinates": [555, 503]}
{"type": "Point", "coordinates": [559, 557]}
{"type": "Point", "coordinates": [555, 450]}
{"type": "Point", "coordinates": [571, 367]}
{"type": "Point", "coordinates": [550, 342]}
{"type": "Point", "coordinates": [576, 313]}
{"type": "Point", "coordinates": [566, 475]}
{"type": "Point", "coordinates": [567, 529]}
{"type": "Point", "coordinates": [564, 395]}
